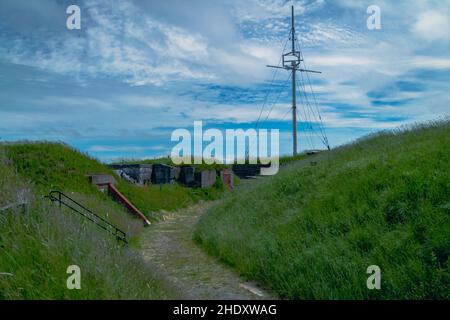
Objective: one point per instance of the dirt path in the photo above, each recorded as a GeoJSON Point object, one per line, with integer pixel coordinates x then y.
{"type": "Point", "coordinates": [169, 246]}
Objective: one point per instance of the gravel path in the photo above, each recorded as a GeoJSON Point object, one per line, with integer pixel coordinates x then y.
{"type": "Point", "coordinates": [169, 246]}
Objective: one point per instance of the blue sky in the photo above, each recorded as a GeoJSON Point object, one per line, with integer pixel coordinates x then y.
{"type": "Point", "coordinates": [139, 69]}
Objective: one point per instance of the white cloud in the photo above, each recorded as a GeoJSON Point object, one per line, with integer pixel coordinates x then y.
{"type": "Point", "coordinates": [432, 26]}
{"type": "Point", "coordinates": [341, 60]}
{"type": "Point", "coordinates": [431, 62]}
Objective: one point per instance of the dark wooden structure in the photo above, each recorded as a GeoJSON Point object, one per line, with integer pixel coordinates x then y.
{"type": "Point", "coordinates": [187, 176]}
{"type": "Point", "coordinates": [161, 174]}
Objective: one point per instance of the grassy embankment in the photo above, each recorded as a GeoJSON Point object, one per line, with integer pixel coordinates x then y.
{"type": "Point", "coordinates": [37, 245]}
{"type": "Point", "coordinates": [57, 166]}
{"type": "Point", "coordinates": [311, 231]}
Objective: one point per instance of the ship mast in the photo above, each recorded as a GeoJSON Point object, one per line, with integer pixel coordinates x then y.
{"type": "Point", "coordinates": [291, 62]}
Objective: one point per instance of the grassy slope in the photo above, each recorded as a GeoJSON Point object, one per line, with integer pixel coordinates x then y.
{"type": "Point", "coordinates": [312, 231]}
{"type": "Point", "coordinates": [169, 197]}
{"type": "Point", "coordinates": [57, 166]}
{"type": "Point", "coordinates": [36, 248]}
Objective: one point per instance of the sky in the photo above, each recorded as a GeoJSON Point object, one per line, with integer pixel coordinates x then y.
{"type": "Point", "coordinates": [137, 70]}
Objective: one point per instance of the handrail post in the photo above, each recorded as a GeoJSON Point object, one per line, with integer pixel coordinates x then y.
{"type": "Point", "coordinates": [88, 214]}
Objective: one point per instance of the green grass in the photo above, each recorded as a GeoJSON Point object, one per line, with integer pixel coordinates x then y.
{"type": "Point", "coordinates": [168, 161]}
{"type": "Point", "coordinates": [168, 197]}
{"type": "Point", "coordinates": [285, 160]}
{"type": "Point", "coordinates": [37, 246]}
{"type": "Point", "coordinates": [311, 231]}
{"type": "Point", "coordinates": [56, 166]}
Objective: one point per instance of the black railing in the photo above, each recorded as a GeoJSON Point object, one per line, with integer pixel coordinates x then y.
{"type": "Point", "coordinates": [66, 201]}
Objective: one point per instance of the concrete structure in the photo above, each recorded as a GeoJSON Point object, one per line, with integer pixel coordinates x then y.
{"type": "Point", "coordinates": [137, 173]}
{"type": "Point", "coordinates": [102, 181]}
{"type": "Point", "coordinates": [205, 179]}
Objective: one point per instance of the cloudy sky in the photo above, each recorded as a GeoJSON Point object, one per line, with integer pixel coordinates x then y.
{"type": "Point", "coordinates": [139, 69]}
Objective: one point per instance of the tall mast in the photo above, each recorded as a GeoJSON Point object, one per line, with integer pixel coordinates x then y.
{"type": "Point", "coordinates": [294, 95]}
{"type": "Point", "coordinates": [291, 62]}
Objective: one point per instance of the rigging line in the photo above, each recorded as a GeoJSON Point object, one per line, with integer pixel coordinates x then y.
{"type": "Point", "coordinates": [270, 86]}
{"type": "Point", "coordinates": [308, 105]}
{"type": "Point", "coordinates": [316, 105]}
{"type": "Point", "coordinates": [307, 135]}
{"type": "Point", "coordinates": [285, 115]}
{"type": "Point", "coordinates": [313, 114]}
{"type": "Point", "coordinates": [321, 125]}
{"type": "Point", "coordinates": [301, 89]}
{"type": "Point", "coordinates": [310, 135]}
{"type": "Point", "coordinates": [278, 97]}
{"type": "Point", "coordinates": [317, 117]}
{"type": "Point", "coordinates": [302, 83]}
{"type": "Point", "coordinates": [307, 118]}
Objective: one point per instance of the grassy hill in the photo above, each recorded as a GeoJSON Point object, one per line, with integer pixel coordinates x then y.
{"type": "Point", "coordinates": [311, 231]}
{"type": "Point", "coordinates": [58, 166]}
{"type": "Point", "coordinates": [37, 246]}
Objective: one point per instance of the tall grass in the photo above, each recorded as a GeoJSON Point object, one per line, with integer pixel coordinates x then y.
{"type": "Point", "coordinates": [152, 199]}
{"type": "Point", "coordinates": [311, 231]}
{"type": "Point", "coordinates": [37, 246]}
{"type": "Point", "coordinates": [58, 166]}
{"type": "Point", "coordinates": [54, 165]}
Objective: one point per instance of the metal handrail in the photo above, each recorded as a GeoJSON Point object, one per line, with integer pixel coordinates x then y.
{"type": "Point", "coordinates": [58, 196]}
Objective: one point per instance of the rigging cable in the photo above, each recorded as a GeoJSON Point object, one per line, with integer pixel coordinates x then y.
{"type": "Point", "coordinates": [307, 119]}
{"type": "Point", "coordinates": [278, 97]}
{"type": "Point", "coordinates": [318, 118]}
{"type": "Point", "coordinates": [270, 86]}
{"type": "Point", "coordinates": [308, 135]}
{"type": "Point", "coordinates": [285, 115]}
{"type": "Point", "coordinates": [308, 108]}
